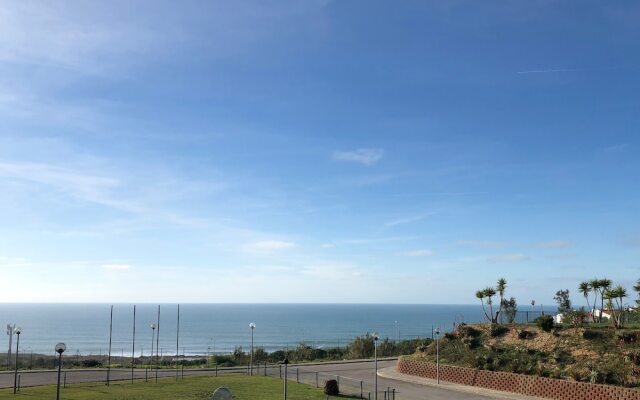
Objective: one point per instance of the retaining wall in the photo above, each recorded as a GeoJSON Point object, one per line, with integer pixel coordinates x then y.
{"type": "Point", "coordinates": [529, 385]}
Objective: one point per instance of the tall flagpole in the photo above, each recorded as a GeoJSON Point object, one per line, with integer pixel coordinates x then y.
{"type": "Point", "coordinates": [110, 335]}
{"type": "Point", "coordinates": [158, 344]}
{"type": "Point", "coordinates": [177, 341]}
{"type": "Point", "coordinates": [133, 343]}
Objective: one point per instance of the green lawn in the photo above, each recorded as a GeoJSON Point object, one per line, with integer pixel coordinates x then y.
{"type": "Point", "coordinates": [194, 388]}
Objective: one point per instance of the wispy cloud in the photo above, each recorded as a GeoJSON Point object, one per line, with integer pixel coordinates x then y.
{"type": "Point", "coordinates": [269, 246]}
{"type": "Point", "coordinates": [116, 267]}
{"type": "Point", "coordinates": [483, 244]}
{"type": "Point", "coordinates": [561, 256]}
{"type": "Point", "coordinates": [379, 240]}
{"type": "Point", "coordinates": [554, 244]}
{"type": "Point", "coordinates": [552, 70]}
{"type": "Point", "coordinates": [616, 148]}
{"type": "Point", "coordinates": [513, 257]}
{"type": "Point", "coordinates": [362, 156]}
{"type": "Point", "coordinates": [418, 253]}
{"type": "Point", "coordinates": [407, 220]}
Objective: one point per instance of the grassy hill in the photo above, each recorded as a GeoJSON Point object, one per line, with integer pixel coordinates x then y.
{"type": "Point", "coordinates": [597, 355]}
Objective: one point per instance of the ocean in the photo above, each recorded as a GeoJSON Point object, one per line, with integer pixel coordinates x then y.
{"type": "Point", "coordinates": [219, 328]}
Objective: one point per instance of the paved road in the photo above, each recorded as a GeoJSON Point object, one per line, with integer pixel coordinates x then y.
{"type": "Point", "coordinates": [364, 371]}
{"type": "Point", "coordinates": [351, 374]}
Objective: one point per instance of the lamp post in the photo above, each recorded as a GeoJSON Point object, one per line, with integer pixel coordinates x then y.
{"type": "Point", "coordinates": [375, 359]}
{"type": "Point", "coordinates": [437, 332]}
{"type": "Point", "coordinates": [153, 336]}
{"type": "Point", "coordinates": [252, 326]}
{"type": "Point", "coordinates": [17, 331]}
{"type": "Point", "coordinates": [286, 363]}
{"type": "Point", "coordinates": [60, 348]}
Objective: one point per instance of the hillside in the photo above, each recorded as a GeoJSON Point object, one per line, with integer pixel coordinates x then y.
{"type": "Point", "coordinates": [588, 355]}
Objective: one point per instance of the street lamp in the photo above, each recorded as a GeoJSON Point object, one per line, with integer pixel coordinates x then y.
{"type": "Point", "coordinates": [437, 332]}
{"type": "Point", "coordinates": [375, 359]}
{"type": "Point", "coordinates": [17, 331]}
{"type": "Point", "coordinates": [252, 326]}
{"type": "Point", "coordinates": [286, 363]}
{"type": "Point", "coordinates": [60, 348]}
{"type": "Point", "coordinates": [153, 335]}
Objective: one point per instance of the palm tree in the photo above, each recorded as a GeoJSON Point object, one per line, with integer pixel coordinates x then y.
{"type": "Point", "coordinates": [595, 286]}
{"type": "Point", "coordinates": [480, 295]}
{"type": "Point", "coordinates": [489, 292]}
{"type": "Point", "coordinates": [620, 293]}
{"type": "Point", "coordinates": [605, 285]}
{"type": "Point", "coordinates": [585, 289]}
{"type": "Point", "coordinates": [637, 289]}
{"type": "Point", "coordinates": [617, 295]}
{"type": "Point", "coordinates": [501, 288]}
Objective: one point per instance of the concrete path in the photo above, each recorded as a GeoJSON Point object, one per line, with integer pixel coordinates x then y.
{"type": "Point", "coordinates": [391, 373]}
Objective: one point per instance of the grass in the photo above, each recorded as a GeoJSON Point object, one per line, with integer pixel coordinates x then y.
{"type": "Point", "coordinates": [193, 388]}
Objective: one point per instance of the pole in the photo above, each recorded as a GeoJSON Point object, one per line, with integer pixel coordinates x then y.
{"type": "Point", "coordinates": [157, 343]}
{"type": "Point", "coordinates": [286, 362]}
{"type": "Point", "coordinates": [438, 358]}
{"type": "Point", "coordinates": [15, 377]}
{"type": "Point", "coordinates": [133, 343]}
{"type": "Point", "coordinates": [177, 341]}
{"type": "Point", "coordinates": [59, 370]}
{"type": "Point", "coordinates": [153, 337]}
{"type": "Point", "coordinates": [110, 336]}
{"type": "Point", "coordinates": [252, 326]}
{"type": "Point", "coordinates": [375, 356]}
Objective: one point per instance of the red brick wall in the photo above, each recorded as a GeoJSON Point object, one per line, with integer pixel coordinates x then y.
{"type": "Point", "coordinates": [556, 389]}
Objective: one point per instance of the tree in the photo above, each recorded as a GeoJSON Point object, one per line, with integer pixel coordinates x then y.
{"type": "Point", "coordinates": [486, 297]}
{"type": "Point", "coordinates": [563, 300]}
{"type": "Point", "coordinates": [585, 289]}
{"type": "Point", "coordinates": [604, 285]}
{"type": "Point", "coordinates": [480, 295]}
{"type": "Point", "coordinates": [615, 301]}
{"type": "Point", "coordinates": [510, 309]}
{"type": "Point", "coordinates": [595, 286]}
{"type": "Point", "coordinates": [501, 288]}
{"type": "Point", "coordinates": [637, 289]}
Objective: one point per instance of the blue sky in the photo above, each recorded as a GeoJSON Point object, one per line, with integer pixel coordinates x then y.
{"type": "Point", "coordinates": [316, 151]}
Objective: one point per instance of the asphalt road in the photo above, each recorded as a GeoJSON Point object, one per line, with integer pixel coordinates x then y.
{"type": "Point", "coordinates": [350, 375]}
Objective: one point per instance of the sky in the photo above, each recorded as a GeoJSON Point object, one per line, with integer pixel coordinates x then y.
{"type": "Point", "coordinates": [317, 151]}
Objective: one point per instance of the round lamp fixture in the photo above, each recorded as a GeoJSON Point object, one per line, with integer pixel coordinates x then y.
{"type": "Point", "coordinates": [60, 348]}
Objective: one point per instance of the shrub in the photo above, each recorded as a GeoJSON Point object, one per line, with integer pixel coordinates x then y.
{"type": "Point", "coordinates": [592, 334]}
{"type": "Point", "coordinates": [91, 363]}
{"type": "Point", "coordinates": [525, 335]}
{"type": "Point", "coordinates": [331, 387]}
{"type": "Point", "coordinates": [545, 322]}
{"type": "Point", "coordinates": [498, 330]}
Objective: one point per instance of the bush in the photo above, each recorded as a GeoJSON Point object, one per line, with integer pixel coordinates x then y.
{"type": "Point", "coordinates": [498, 330]}
{"type": "Point", "coordinates": [593, 334]}
{"type": "Point", "coordinates": [545, 322]}
{"type": "Point", "coordinates": [525, 335]}
{"type": "Point", "coordinates": [331, 387]}
{"type": "Point", "coordinates": [91, 363]}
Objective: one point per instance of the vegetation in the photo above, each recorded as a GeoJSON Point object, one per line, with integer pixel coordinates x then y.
{"type": "Point", "coordinates": [564, 303]}
{"type": "Point", "coordinates": [360, 347]}
{"type": "Point", "coordinates": [193, 388]}
{"type": "Point", "coordinates": [601, 355]}
{"type": "Point", "coordinates": [486, 295]}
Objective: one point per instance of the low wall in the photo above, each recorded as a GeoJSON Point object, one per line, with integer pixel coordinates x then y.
{"type": "Point", "coordinates": [529, 385]}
